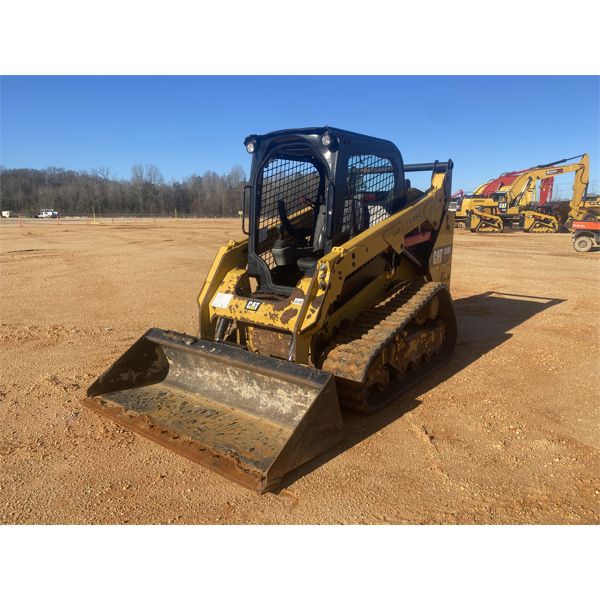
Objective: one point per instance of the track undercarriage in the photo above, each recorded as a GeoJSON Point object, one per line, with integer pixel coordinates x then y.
{"type": "Point", "coordinates": [392, 346]}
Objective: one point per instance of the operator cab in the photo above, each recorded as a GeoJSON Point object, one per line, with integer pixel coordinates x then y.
{"type": "Point", "coordinates": [310, 190]}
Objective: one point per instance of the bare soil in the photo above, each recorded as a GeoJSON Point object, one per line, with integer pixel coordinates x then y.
{"type": "Point", "coordinates": [508, 432]}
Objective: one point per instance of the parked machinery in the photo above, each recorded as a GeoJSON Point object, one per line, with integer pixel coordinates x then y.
{"type": "Point", "coordinates": [586, 235]}
{"type": "Point", "coordinates": [489, 196]}
{"type": "Point", "coordinates": [509, 201]}
{"type": "Point", "coordinates": [338, 293]}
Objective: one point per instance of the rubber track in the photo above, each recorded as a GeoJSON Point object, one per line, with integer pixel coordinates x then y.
{"type": "Point", "coordinates": [364, 339]}
{"type": "Point", "coordinates": [545, 229]}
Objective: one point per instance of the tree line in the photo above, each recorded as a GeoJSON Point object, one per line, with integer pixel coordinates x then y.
{"type": "Point", "coordinates": [27, 191]}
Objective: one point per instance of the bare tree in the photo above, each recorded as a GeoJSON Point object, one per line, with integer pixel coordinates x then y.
{"type": "Point", "coordinates": [25, 191]}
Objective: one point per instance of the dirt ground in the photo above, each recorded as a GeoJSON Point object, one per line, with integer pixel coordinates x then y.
{"type": "Point", "coordinates": [506, 433]}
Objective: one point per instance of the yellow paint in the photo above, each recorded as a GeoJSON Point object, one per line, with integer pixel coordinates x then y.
{"type": "Point", "coordinates": [226, 291]}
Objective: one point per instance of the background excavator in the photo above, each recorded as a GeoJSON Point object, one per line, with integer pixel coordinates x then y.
{"type": "Point", "coordinates": [339, 293]}
{"type": "Point", "coordinates": [509, 201]}
{"type": "Point", "coordinates": [487, 195]}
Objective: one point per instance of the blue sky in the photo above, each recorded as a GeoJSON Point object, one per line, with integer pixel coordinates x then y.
{"type": "Point", "coordinates": [187, 125]}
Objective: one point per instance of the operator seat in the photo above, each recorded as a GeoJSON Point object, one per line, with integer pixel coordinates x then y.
{"type": "Point", "coordinates": [307, 264]}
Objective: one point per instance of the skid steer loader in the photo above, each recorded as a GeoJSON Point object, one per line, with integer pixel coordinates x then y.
{"type": "Point", "coordinates": [338, 294]}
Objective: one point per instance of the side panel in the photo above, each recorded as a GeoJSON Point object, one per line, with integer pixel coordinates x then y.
{"type": "Point", "coordinates": [440, 262]}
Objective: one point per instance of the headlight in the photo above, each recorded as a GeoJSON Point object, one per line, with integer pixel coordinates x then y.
{"type": "Point", "coordinates": [325, 139]}
{"type": "Point", "coordinates": [250, 146]}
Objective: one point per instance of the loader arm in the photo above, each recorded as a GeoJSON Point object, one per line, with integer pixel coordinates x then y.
{"type": "Point", "coordinates": [429, 213]}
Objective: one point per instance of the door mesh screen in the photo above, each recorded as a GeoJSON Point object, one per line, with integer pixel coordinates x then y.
{"type": "Point", "coordinates": [296, 184]}
{"type": "Point", "coordinates": [370, 192]}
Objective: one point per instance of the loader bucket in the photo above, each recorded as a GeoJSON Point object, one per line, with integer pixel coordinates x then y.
{"type": "Point", "coordinates": [249, 417]}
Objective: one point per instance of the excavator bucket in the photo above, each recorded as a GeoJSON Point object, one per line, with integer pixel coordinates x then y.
{"type": "Point", "coordinates": [249, 417]}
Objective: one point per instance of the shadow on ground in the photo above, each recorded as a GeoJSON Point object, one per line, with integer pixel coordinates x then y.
{"type": "Point", "coordinates": [484, 322]}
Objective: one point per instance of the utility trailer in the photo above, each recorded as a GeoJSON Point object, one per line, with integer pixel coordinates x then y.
{"type": "Point", "coordinates": [586, 235]}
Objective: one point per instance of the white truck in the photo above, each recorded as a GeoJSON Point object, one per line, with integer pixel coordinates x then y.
{"type": "Point", "coordinates": [47, 213]}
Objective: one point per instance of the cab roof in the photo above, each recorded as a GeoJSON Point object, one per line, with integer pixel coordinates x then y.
{"type": "Point", "coordinates": [306, 131]}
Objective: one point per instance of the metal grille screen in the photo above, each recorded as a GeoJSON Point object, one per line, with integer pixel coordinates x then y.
{"type": "Point", "coordinates": [296, 183]}
{"type": "Point", "coordinates": [370, 198]}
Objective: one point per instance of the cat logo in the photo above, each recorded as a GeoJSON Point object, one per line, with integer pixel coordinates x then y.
{"type": "Point", "coordinates": [441, 255]}
{"type": "Point", "coordinates": [253, 305]}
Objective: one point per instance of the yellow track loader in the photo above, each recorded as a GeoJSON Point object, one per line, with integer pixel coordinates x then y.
{"type": "Point", "coordinates": [337, 295]}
